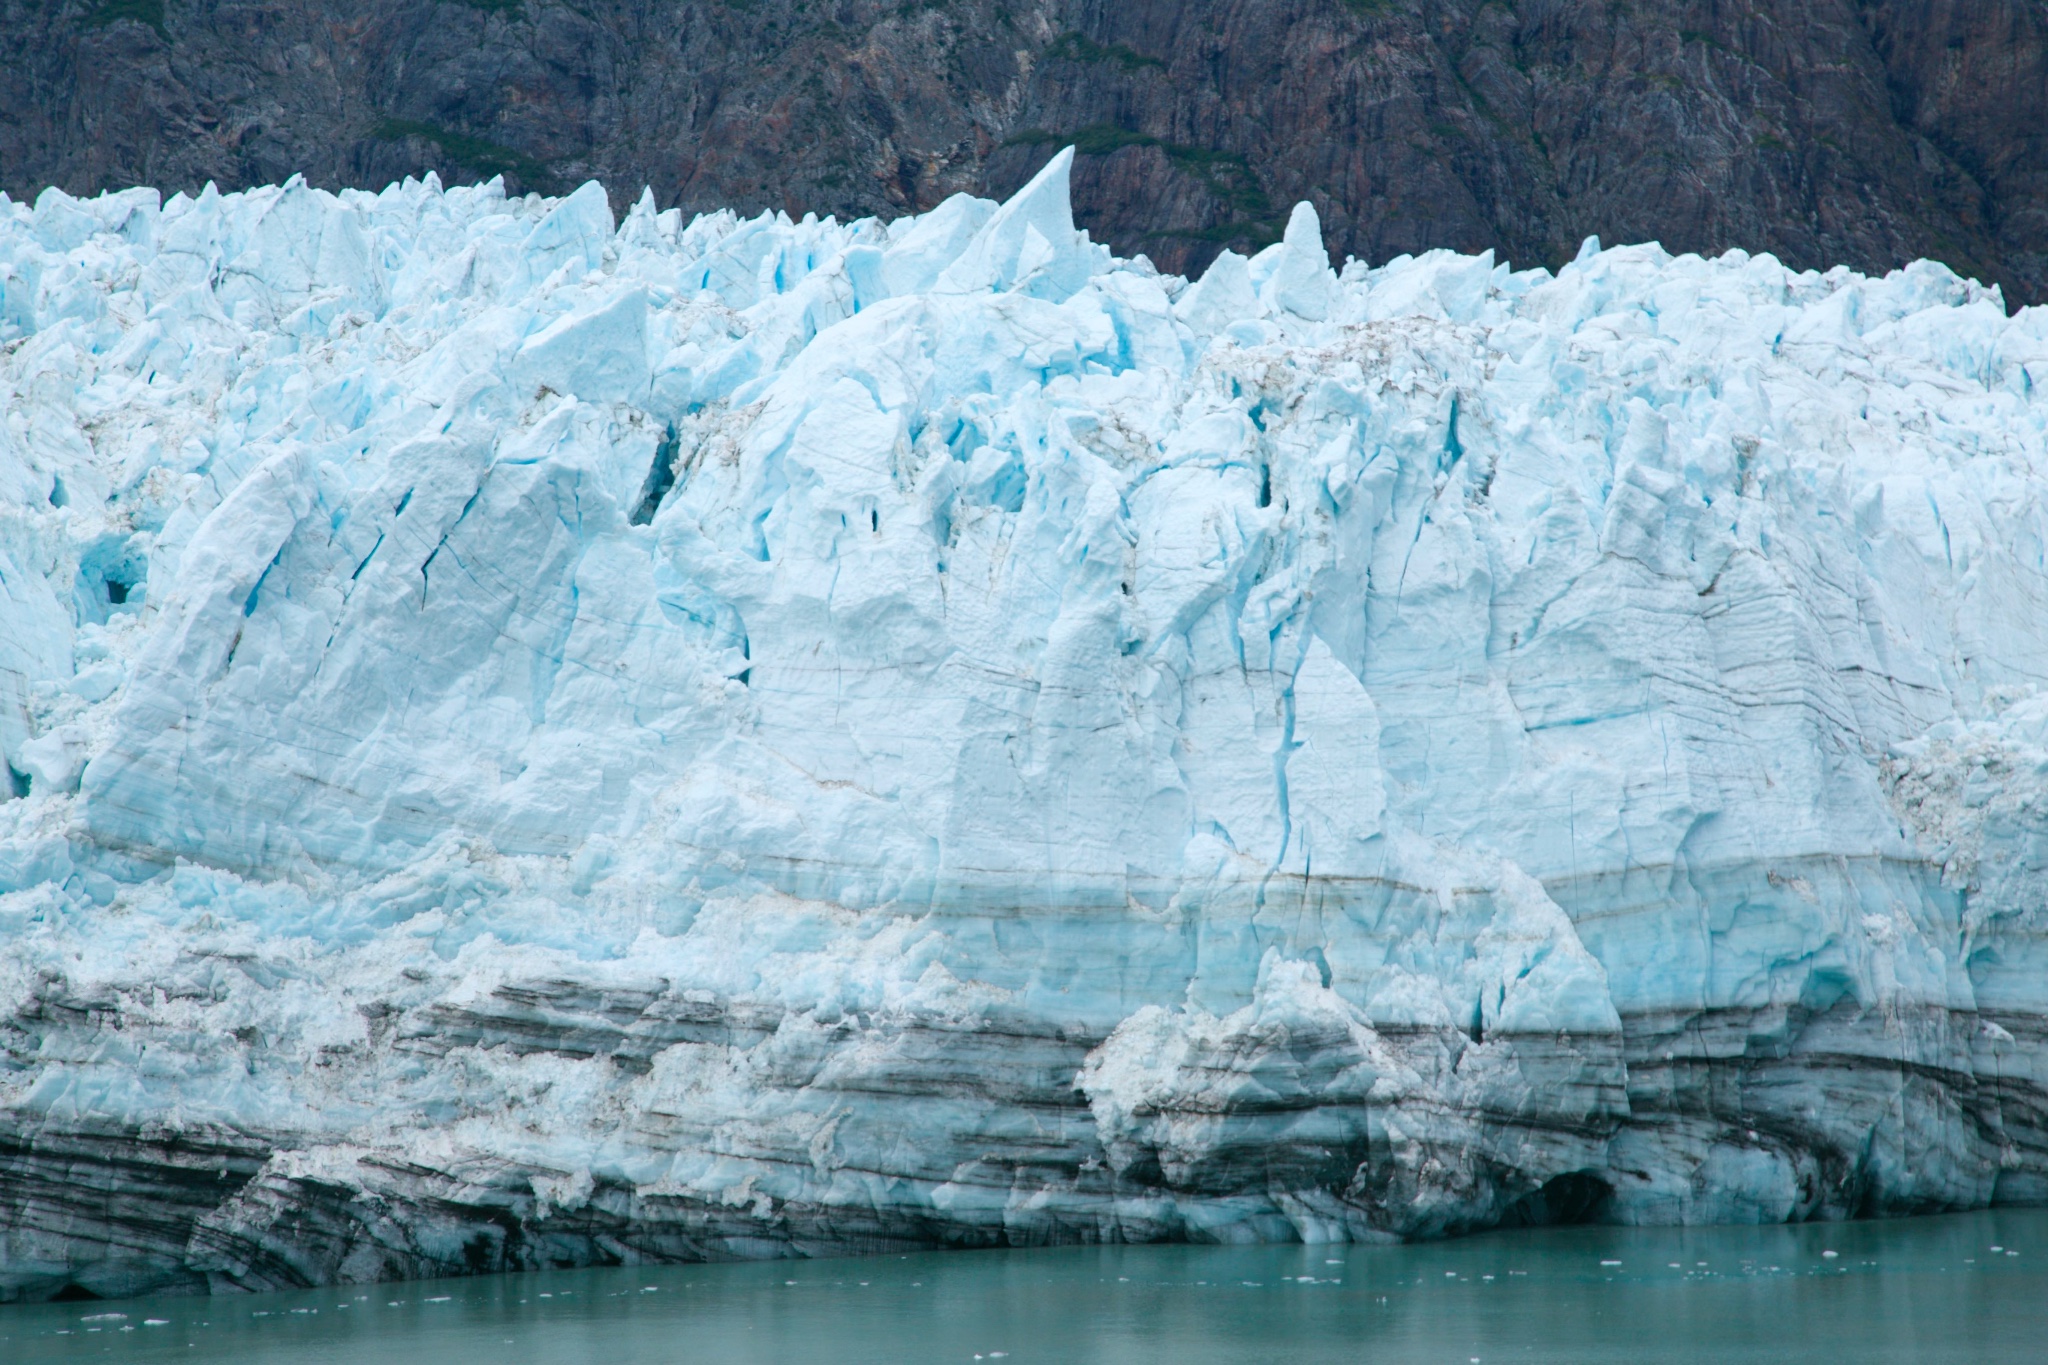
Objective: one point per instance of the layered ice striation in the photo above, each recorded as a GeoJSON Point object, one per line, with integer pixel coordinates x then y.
{"type": "Point", "coordinates": [535, 740]}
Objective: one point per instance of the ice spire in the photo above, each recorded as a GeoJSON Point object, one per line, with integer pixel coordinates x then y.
{"type": "Point", "coordinates": [1029, 243]}
{"type": "Point", "coordinates": [1303, 280]}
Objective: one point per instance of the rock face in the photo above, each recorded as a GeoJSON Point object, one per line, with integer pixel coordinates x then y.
{"type": "Point", "coordinates": [534, 740]}
{"type": "Point", "coordinates": [1859, 132]}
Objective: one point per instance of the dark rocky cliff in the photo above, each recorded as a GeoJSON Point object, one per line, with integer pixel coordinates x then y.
{"type": "Point", "coordinates": [1866, 132]}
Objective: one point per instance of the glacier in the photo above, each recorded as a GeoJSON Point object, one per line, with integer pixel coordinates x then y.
{"type": "Point", "coordinates": [536, 739]}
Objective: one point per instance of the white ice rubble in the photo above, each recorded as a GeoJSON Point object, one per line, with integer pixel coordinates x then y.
{"type": "Point", "coordinates": [1480, 726]}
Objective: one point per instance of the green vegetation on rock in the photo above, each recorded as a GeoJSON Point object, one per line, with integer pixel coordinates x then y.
{"type": "Point", "coordinates": [150, 12]}
{"type": "Point", "coordinates": [473, 152]}
{"type": "Point", "coordinates": [1075, 47]}
{"type": "Point", "coordinates": [1227, 176]}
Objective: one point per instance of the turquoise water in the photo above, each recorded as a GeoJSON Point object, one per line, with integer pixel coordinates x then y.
{"type": "Point", "coordinates": [1962, 1288]}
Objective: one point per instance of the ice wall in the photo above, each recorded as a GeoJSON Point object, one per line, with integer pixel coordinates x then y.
{"type": "Point", "coordinates": [534, 739]}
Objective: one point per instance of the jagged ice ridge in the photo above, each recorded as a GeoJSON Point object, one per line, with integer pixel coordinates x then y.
{"type": "Point", "coordinates": [533, 740]}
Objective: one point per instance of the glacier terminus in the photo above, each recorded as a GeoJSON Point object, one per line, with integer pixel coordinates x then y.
{"type": "Point", "coordinates": [536, 739]}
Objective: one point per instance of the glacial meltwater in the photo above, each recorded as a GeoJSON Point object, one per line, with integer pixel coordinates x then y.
{"type": "Point", "coordinates": [1968, 1287]}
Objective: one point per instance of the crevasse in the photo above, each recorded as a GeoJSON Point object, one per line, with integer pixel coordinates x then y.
{"type": "Point", "coordinates": [533, 740]}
